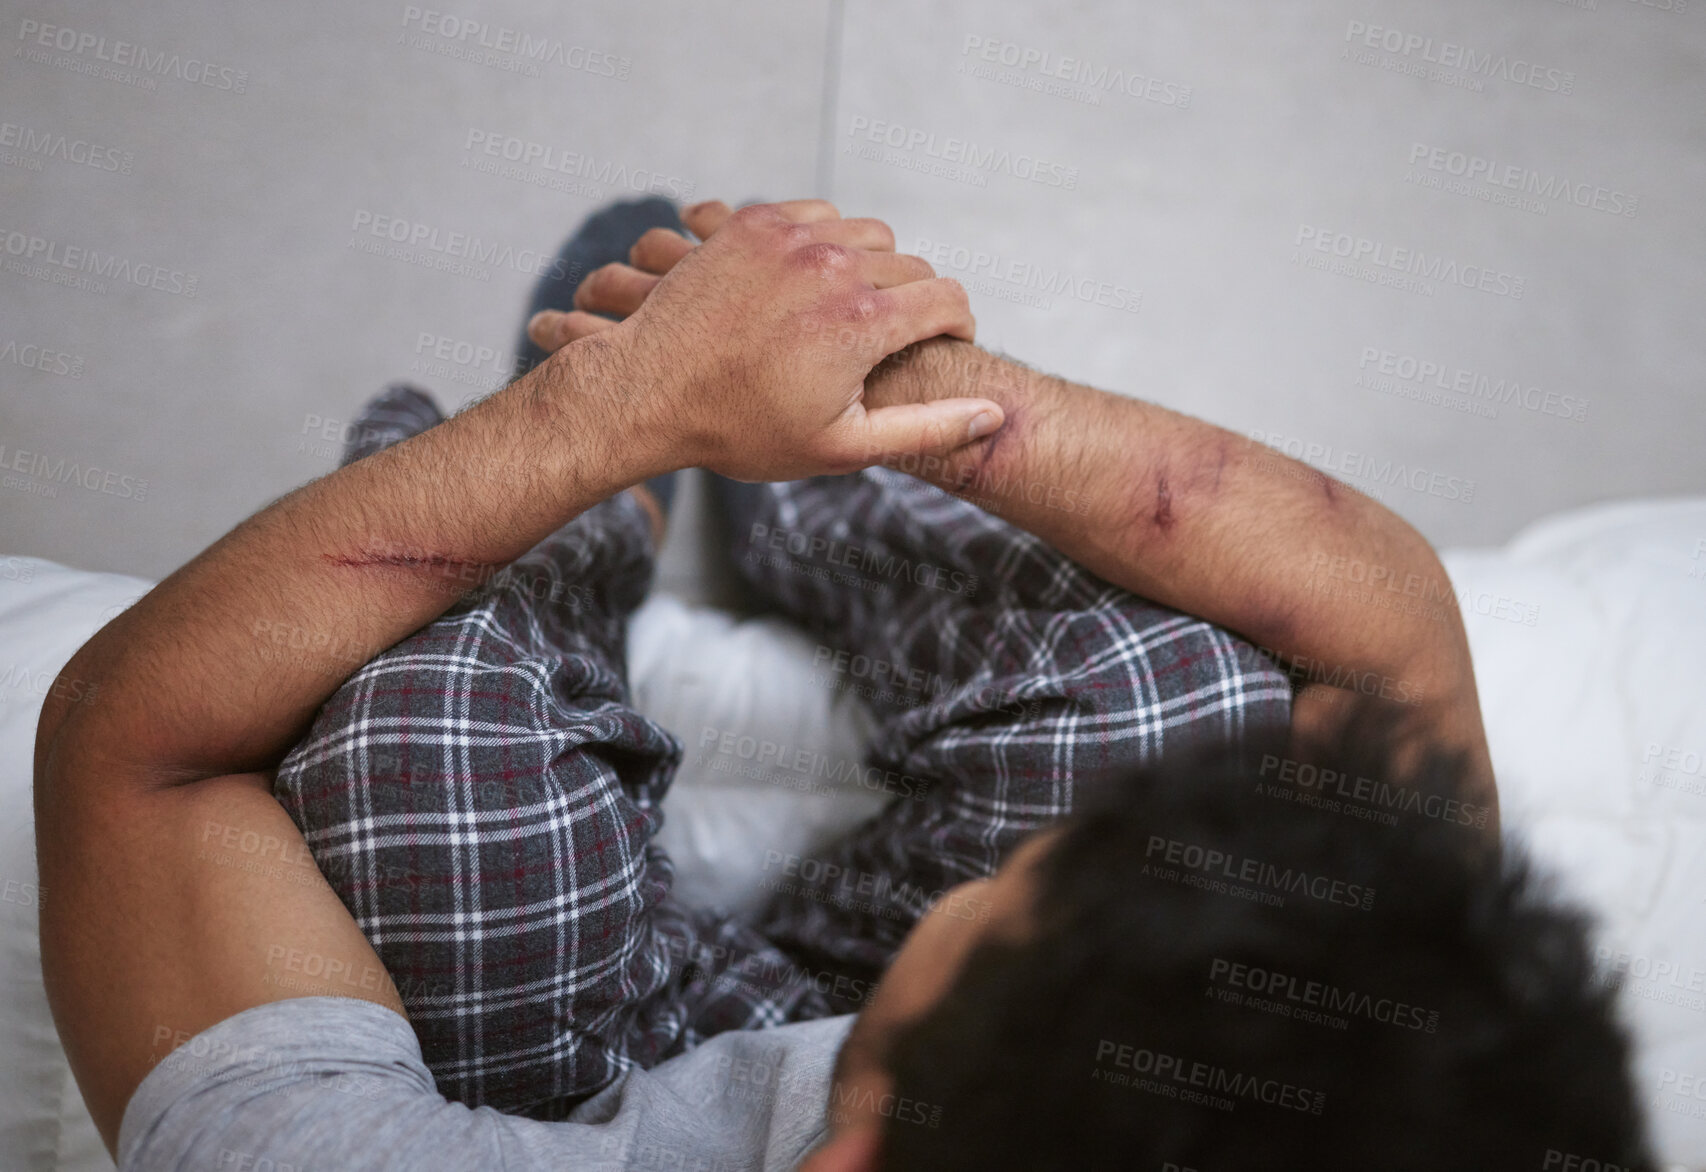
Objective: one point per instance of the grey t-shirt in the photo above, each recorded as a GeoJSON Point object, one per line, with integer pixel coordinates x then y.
{"type": "Point", "coordinates": [322, 1084]}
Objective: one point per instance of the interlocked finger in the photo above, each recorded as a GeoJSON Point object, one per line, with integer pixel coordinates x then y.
{"type": "Point", "coordinates": [615, 289]}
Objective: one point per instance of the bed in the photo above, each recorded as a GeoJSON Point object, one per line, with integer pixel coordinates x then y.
{"type": "Point", "coordinates": [1589, 634]}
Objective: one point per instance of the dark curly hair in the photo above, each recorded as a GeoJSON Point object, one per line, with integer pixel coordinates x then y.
{"type": "Point", "coordinates": [1230, 970]}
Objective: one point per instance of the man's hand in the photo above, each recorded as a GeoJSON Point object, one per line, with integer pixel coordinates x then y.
{"type": "Point", "coordinates": [755, 347]}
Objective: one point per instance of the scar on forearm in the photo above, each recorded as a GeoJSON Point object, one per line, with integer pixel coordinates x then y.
{"type": "Point", "coordinates": [1199, 485]}
{"type": "Point", "coordinates": [1163, 514]}
{"type": "Point", "coordinates": [435, 565]}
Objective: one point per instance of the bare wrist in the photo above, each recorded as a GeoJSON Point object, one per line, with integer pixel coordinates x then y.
{"type": "Point", "coordinates": [986, 471]}
{"type": "Point", "coordinates": [596, 395]}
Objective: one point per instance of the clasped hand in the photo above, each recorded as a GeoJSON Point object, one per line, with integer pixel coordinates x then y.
{"type": "Point", "coordinates": [748, 353]}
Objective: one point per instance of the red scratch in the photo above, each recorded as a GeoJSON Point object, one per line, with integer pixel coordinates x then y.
{"type": "Point", "coordinates": [1163, 515]}
{"type": "Point", "coordinates": [403, 561]}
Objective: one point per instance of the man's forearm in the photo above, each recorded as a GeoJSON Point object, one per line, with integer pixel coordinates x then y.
{"type": "Point", "coordinates": [292, 601]}
{"type": "Point", "coordinates": [1207, 521]}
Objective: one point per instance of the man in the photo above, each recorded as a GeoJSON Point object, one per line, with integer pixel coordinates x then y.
{"type": "Point", "coordinates": [482, 798]}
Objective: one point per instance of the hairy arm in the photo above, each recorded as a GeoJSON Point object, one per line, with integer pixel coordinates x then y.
{"type": "Point", "coordinates": [1350, 598]}
{"type": "Point", "coordinates": [183, 894]}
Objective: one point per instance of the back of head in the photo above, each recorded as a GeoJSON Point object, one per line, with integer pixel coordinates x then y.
{"type": "Point", "coordinates": [1239, 962]}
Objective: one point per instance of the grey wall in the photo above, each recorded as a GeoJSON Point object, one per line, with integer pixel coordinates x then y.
{"type": "Point", "coordinates": [1183, 178]}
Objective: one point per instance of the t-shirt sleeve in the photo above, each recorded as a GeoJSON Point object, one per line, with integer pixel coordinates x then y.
{"type": "Point", "coordinates": [318, 1083]}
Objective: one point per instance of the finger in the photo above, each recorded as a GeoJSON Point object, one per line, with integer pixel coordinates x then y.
{"type": "Point", "coordinates": [862, 232]}
{"type": "Point", "coordinates": [886, 269]}
{"type": "Point", "coordinates": [703, 219]}
{"type": "Point", "coordinates": [806, 211]}
{"type": "Point", "coordinates": [659, 250]}
{"type": "Point", "coordinates": [552, 329]}
{"type": "Point", "coordinates": [923, 309]}
{"type": "Point", "coordinates": [908, 430]}
{"type": "Point", "coordinates": [614, 289]}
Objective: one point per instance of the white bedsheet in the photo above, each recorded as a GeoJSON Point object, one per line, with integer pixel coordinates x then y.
{"type": "Point", "coordinates": [1589, 633]}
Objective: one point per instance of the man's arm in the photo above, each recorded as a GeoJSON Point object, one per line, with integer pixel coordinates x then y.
{"type": "Point", "coordinates": [1202, 519]}
{"type": "Point", "coordinates": [155, 826]}
{"type": "Point", "coordinates": [1348, 596]}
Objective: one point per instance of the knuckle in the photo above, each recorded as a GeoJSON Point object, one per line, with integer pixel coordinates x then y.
{"type": "Point", "coordinates": [860, 308]}
{"type": "Point", "coordinates": [752, 214]}
{"type": "Point", "coordinates": [824, 257]}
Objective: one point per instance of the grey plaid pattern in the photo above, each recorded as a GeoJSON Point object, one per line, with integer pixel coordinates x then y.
{"type": "Point", "coordinates": [1000, 670]}
{"type": "Point", "coordinates": [483, 796]}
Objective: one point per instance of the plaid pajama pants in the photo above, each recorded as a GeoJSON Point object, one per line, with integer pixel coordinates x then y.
{"type": "Point", "coordinates": [483, 796]}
